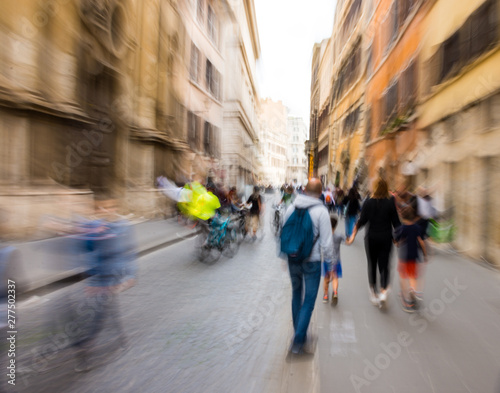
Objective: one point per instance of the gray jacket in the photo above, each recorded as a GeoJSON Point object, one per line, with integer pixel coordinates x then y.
{"type": "Point", "coordinates": [323, 248]}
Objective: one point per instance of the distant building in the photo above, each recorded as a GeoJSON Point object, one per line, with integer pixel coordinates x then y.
{"type": "Point", "coordinates": [240, 161]}
{"type": "Point", "coordinates": [200, 84]}
{"type": "Point", "coordinates": [297, 158]}
{"type": "Point", "coordinates": [274, 141]}
{"type": "Point", "coordinates": [314, 118]}
{"type": "Point", "coordinates": [348, 112]}
{"type": "Point", "coordinates": [325, 73]}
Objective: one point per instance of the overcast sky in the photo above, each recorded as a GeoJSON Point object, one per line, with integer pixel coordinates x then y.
{"type": "Point", "coordinates": [288, 30]}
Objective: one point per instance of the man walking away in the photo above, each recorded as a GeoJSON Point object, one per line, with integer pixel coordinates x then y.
{"type": "Point", "coordinates": [306, 275]}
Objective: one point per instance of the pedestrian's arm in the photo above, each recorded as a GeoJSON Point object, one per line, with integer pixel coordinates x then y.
{"type": "Point", "coordinates": [363, 219]}
{"type": "Point", "coordinates": [171, 191]}
{"type": "Point", "coordinates": [353, 235]}
{"type": "Point", "coordinates": [325, 237]}
{"type": "Point", "coordinates": [422, 246]}
{"type": "Point", "coordinates": [394, 216]}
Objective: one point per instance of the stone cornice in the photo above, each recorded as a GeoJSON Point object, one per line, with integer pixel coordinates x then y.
{"type": "Point", "coordinates": [238, 112]}
{"type": "Point", "coordinates": [154, 135]}
{"type": "Point", "coordinates": [31, 101]}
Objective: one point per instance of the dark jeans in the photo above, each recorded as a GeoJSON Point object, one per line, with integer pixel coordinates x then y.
{"type": "Point", "coordinates": [378, 252]}
{"type": "Point", "coordinates": [96, 311]}
{"type": "Point", "coordinates": [305, 277]}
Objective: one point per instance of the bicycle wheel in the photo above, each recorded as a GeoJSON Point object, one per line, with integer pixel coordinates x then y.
{"type": "Point", "coordinates": [273, 223]}
{"type": "Point", "coordinates": [231, 243]}
{"type": "Point", "coordinates": [205, 250]}
{"type": "Point", "coordinates": [276, 224]}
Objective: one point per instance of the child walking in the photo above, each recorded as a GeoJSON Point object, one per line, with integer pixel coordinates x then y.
{"type": "Point", "coordinates": [333, 269]}
{"type": "Point", "coordinates": [409, 239]}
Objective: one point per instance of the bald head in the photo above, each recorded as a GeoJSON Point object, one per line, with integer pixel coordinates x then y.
{"type": "Point", "coordinates": [314, 187]}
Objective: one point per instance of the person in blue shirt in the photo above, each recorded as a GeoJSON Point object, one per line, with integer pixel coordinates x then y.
{"type": "Point", "coordinates": [410, 243]}
{"type": "Point", "coordinates": [108, 245]}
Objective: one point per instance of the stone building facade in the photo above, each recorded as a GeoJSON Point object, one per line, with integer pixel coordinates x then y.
{"type": "Point", "coordinates": [325, 71]}
{"type": "Point", "coordinates": [102, 96]}
{"type": "Point", "coordinates": [87, 104]}
{"type": "Point", "coordinates": [240, 151]}
{"type": "Point", "coordinates": [312, 144]}
{"type": "Point", "coordinates": [347, 101]}
{"type": "Point", "coordinates": [458, 152]}
{"type": "Point", "coordinates": [394, 36]}
{"type": "Point", "coordinates": [201, 89]}
{"type": "Point", "coordinates": [338, 114]}
{"type": "Point", "coordinates": [430, 108]}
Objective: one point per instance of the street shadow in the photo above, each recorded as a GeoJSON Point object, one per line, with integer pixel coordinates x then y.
{"type": "Point", "coordinates": [307, 353]}
{"type": "Point", "coordinates": [302, 357]}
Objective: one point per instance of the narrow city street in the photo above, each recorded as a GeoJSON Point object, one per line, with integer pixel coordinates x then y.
{"type": "Point", "coordinates": [226, 327]}
{"type": "Point", "coordinates": [191, 327]}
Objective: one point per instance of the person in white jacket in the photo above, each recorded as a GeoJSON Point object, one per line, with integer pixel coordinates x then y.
{"type": "Point", "coordinates": [306, 276]}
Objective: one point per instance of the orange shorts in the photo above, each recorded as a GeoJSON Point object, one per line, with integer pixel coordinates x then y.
{"type": "Point", "coordinates": [407, 269]}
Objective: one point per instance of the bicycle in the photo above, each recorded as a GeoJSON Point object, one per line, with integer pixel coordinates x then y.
{"type": "Point", "coordinates": [277, 219]}
{"type": "Point", "coordinates": [239, 219]}
{"type": "Point", "coordinates": [217, 237]}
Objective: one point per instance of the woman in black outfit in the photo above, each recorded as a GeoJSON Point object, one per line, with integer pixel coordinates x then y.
{"type": "Point", "coordinates": [379, 212]}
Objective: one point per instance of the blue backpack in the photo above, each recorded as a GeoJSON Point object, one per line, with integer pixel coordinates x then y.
{"type": "Point", "coordinates": [297, 236]}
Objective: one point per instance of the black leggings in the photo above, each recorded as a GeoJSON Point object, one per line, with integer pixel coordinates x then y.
{"type": "Point", "coordinates": [378, 252]}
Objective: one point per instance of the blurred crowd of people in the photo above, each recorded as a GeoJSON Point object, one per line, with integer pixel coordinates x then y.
{"type": "Point", "coordinates": [399, 217]}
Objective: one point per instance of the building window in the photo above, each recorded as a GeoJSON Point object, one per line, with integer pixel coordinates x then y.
{"type": "Point", "coordinates": [475, 37]}
{"type": "Point", "coordinates": [195, 66]}
{"type": "Point", "coordinates": [404, 9]}
{"type": "Point", "coordinates": [351, 122]}
{"type": "Point", "coordinates": [193, 130]}
{"type": "Point", "coordinates": [391, 102]}
{"type": "Point", "coordinates": [212, 79]}
{"type": "Point", "coordinates": [484, 29]}
{"type": "Point", "coordinates": [212, 25]}
{"type": "Point", "coordinates": [211, 140]}
{"type": "Point", "coordinates": [369, 60]}
{"type": "Point", "coordinates": [207, 137]}
{"type": "Point", "coordinates": [208, 74]}
{"type": "Point", "coordinates": [394, 21]}
{"type": "Point", "coordinates": [368, 128]}
{"type": "Point", "coordinates": [408, 87]}
{"type": "Point", "coordinates": [451, 57]}
{"type": "Point", "coordinates": [348, 74]}
{"type": "Point", "coordinates": [350, 21]}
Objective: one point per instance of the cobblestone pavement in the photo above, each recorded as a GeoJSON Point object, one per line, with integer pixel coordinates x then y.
{"type": "Point", "coordinates": [226, 327]}
{"type": "Point", "coordinates": [191, 327]}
